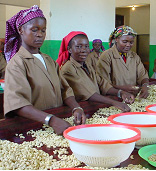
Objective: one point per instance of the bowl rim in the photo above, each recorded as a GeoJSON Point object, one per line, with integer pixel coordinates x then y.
{"type": "Point", "coordinates": [148, 110]}
{"type": "Point", "coordinates": [110, 118]}
{"type": "Point", "coordinates": [125, 141]}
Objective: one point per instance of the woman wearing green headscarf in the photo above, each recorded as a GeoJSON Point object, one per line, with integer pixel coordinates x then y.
{"type": "Point", "coordinates": [122, 67]}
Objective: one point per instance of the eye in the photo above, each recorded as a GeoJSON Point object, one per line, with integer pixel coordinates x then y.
{"type": "Point", "coordinates": [78, 46]}
{"type": "Point", "coordinates": [44, 30]}
{"type": "Point", "coordinates": [34, 29]}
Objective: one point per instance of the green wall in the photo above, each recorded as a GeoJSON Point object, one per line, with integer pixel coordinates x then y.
{"type": "Point", "coordinates": [51, 47]}
{"type": "Point", "coordinates": [152, 57]}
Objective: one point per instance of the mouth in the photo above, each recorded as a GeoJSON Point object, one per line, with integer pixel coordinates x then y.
{"type": "Point", "coordinates": [39, 41]}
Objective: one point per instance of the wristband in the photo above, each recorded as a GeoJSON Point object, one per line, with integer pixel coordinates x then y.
{"type": "Point", "coordinates": [76, 108]}
{"type": "Point", "coordinates": [119, 93]}
{"type": "Point", "coordinates": [145, 84]}
{"type": "Point", "coordinates": [47, 119]}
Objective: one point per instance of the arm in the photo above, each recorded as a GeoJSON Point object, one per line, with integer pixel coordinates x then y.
{"type": "Point", "coordinates": [79, 116]}
{"type": "Point", "coordinates": [103, 67]}
{"type": "Point", "coordinates": [102, 99]}
{"type": "Point", "coordinates": [144, 88]}
{"type": "Point", "coordinates": [58, 124]}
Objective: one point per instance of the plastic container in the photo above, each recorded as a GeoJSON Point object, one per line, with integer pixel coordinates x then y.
{"type": "Point", "coordinates": [151, 108]}
{"type": "Point", "coordinates": [147, 151]}
{"type": "Point", "coordinates": [144, 121]}
{"type": "Point", "coordinates": [102, 145]}
{"type": "Point", "coordinates": [2, 83]}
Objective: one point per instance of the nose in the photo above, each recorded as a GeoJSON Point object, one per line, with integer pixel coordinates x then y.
{"type": "Point", "coordinates": [39, 33]}
{"type": "Point", "coordinates": [128, 44]}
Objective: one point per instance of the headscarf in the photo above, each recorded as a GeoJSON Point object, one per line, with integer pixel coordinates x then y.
{"type": "Point", "coordinates": [98, 41]}
{"type": "Point", "coordinates": [12, 37]}
{"type": "Point", "coordinates": [63, 52]}
{"type": "Point", "coordinates": [120, 31]}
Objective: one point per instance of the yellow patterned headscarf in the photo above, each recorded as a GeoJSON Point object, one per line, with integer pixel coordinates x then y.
{"type": "Point", "coordinates": [120, 31]}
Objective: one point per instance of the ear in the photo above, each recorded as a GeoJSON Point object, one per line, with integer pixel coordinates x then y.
{"type": "Point", "coordinates": [20, 30]}
{"type": "Point", "coordinates": [69, 49]}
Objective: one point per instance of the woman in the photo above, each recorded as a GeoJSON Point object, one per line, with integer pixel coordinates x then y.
{"type": "Point", "coordinates": [33, 82]}
{"type": "Point", "coordinates": [82, 77]}
{"type": "Point", "coordinates": [93, 57]}
{"type": "Point", "coordinates": [122, 67]}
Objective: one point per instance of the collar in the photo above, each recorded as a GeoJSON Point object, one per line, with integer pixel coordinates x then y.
{"type": "Point", "coordinates": [125, 54]}
{"type": "Point", "coordinates": [26, 54]}
{"type": "Point", "coordinates": [75, 62]}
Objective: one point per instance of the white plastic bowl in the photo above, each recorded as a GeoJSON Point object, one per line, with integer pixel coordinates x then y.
{"type": "Point", "coordinates": [2, 83]}
{"type": "Point", "coordinates": [102, 145]}
{"type": "Point", "coordinates": [144, 121]}
{"type": "Point", "coordinates": [151, 108]}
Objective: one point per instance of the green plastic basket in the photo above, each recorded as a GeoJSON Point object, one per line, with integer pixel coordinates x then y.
{"type": "Point", "coordinates": [147, 151]}
{"type": "Point", "coordinates": [1, 89]}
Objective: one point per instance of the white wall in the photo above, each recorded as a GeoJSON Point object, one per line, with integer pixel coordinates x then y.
{"type": "Point", "coordinates": [12, 10]}
{"type": "Point", "coordinates": [95, 17]}
{"type": "Point", "coordinates": [140, 20]}
{"type": "Point", "coordinates": [2, 21]}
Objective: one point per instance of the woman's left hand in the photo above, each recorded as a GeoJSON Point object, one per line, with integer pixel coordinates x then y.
{"type": "Point", "coordinates": [144, 92]}
{"type": "Point", "coordinates": [127, 97]}
{"type": "Point", "coordinates": [79, 117]}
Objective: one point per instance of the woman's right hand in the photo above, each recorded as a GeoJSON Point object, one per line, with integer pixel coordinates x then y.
{"type": "Point", "coordinates": [131, 89]}
{"type": "Point", "coordinates": [122, 106]}
{"type": "Point", "coordinates": [59, 125]}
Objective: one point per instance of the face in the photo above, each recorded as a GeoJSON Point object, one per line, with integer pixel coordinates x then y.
{"type": "Point", "coordinates": [33, 34]}
{"type": "Point", "coordinates": [97, 46]}
{"type": "Point", "coordinates": [124, 43]}
{"type": "Point", "coordinates": [79, 49]}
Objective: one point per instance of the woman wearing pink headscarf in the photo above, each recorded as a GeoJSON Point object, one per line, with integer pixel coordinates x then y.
{"type": "Point", "coordinates": [33, 81]}
{"type": "Point", "coordinates": [95, 53]}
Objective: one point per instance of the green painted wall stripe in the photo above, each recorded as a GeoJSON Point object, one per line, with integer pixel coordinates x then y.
{"type": "Point", "coordinates": [51, 47]}
{"type": "Point", "coordinates": [152, 57]}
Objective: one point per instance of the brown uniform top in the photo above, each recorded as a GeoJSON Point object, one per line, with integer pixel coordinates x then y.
{"type": "Point", "coordinates": [112, 67]}
{"type": "Point", "coordinates": [93, 58]}
{"type": "Point", "coordinates": [83, 84]}
{"type": "Point", "coordinates": [3, 63]}
{"type": "Point", "coordinates": [27, 82]}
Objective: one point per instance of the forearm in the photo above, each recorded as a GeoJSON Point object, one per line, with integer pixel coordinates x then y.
{"type": "Point", "coordinates": [102, 99]}
{"type": "Point", "coordinates": [112, 91]}
{"type": "Point", "coordinates": [145, 81]}
{"type": "Point", "coordinates": [71, 102]}
{"type": "Point", "coordinates": [32, 113]}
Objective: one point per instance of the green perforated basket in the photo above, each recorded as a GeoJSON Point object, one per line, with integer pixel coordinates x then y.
{"type": "Point", "coordinates": [147, 151]}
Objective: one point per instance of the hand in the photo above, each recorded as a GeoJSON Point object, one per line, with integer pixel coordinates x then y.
{"type": "Point", "coordinates": [79, 117]}
{"type": "Point", "coordinates": [122, 106]}
{"type": "Point", "coordinates": [131, 89]}
{"type": "Point", "coordinates": [127, 97]}
{"type": "Point", "coordinates": [144, 92]}
{"type": "Point", "coordinates": [59, 125]}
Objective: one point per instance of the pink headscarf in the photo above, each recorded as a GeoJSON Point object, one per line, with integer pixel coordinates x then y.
{"type": "Point", "coordinates": [63, 53]}
{"type": "Point", "coordinates": [12, 37]}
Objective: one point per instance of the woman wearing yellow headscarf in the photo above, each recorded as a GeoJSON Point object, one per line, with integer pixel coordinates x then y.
{"type": "Point", "coordinates": [122, 67]}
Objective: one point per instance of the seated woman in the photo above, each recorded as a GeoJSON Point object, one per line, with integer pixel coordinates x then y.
{"type": "Point", "coordinates": [93, 57]}
{"type": "Point", "coordinates": [122, 67]}
{"type": "Point", "coordinates": [82, 77]}
{"type": "Point", "coordinates": [33, 81]}
{"type": "Point", "coordinates": [2, 59]}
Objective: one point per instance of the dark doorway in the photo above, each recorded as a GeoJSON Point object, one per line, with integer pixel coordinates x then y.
{"type": "Point", "coordinates": [119, 20]}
